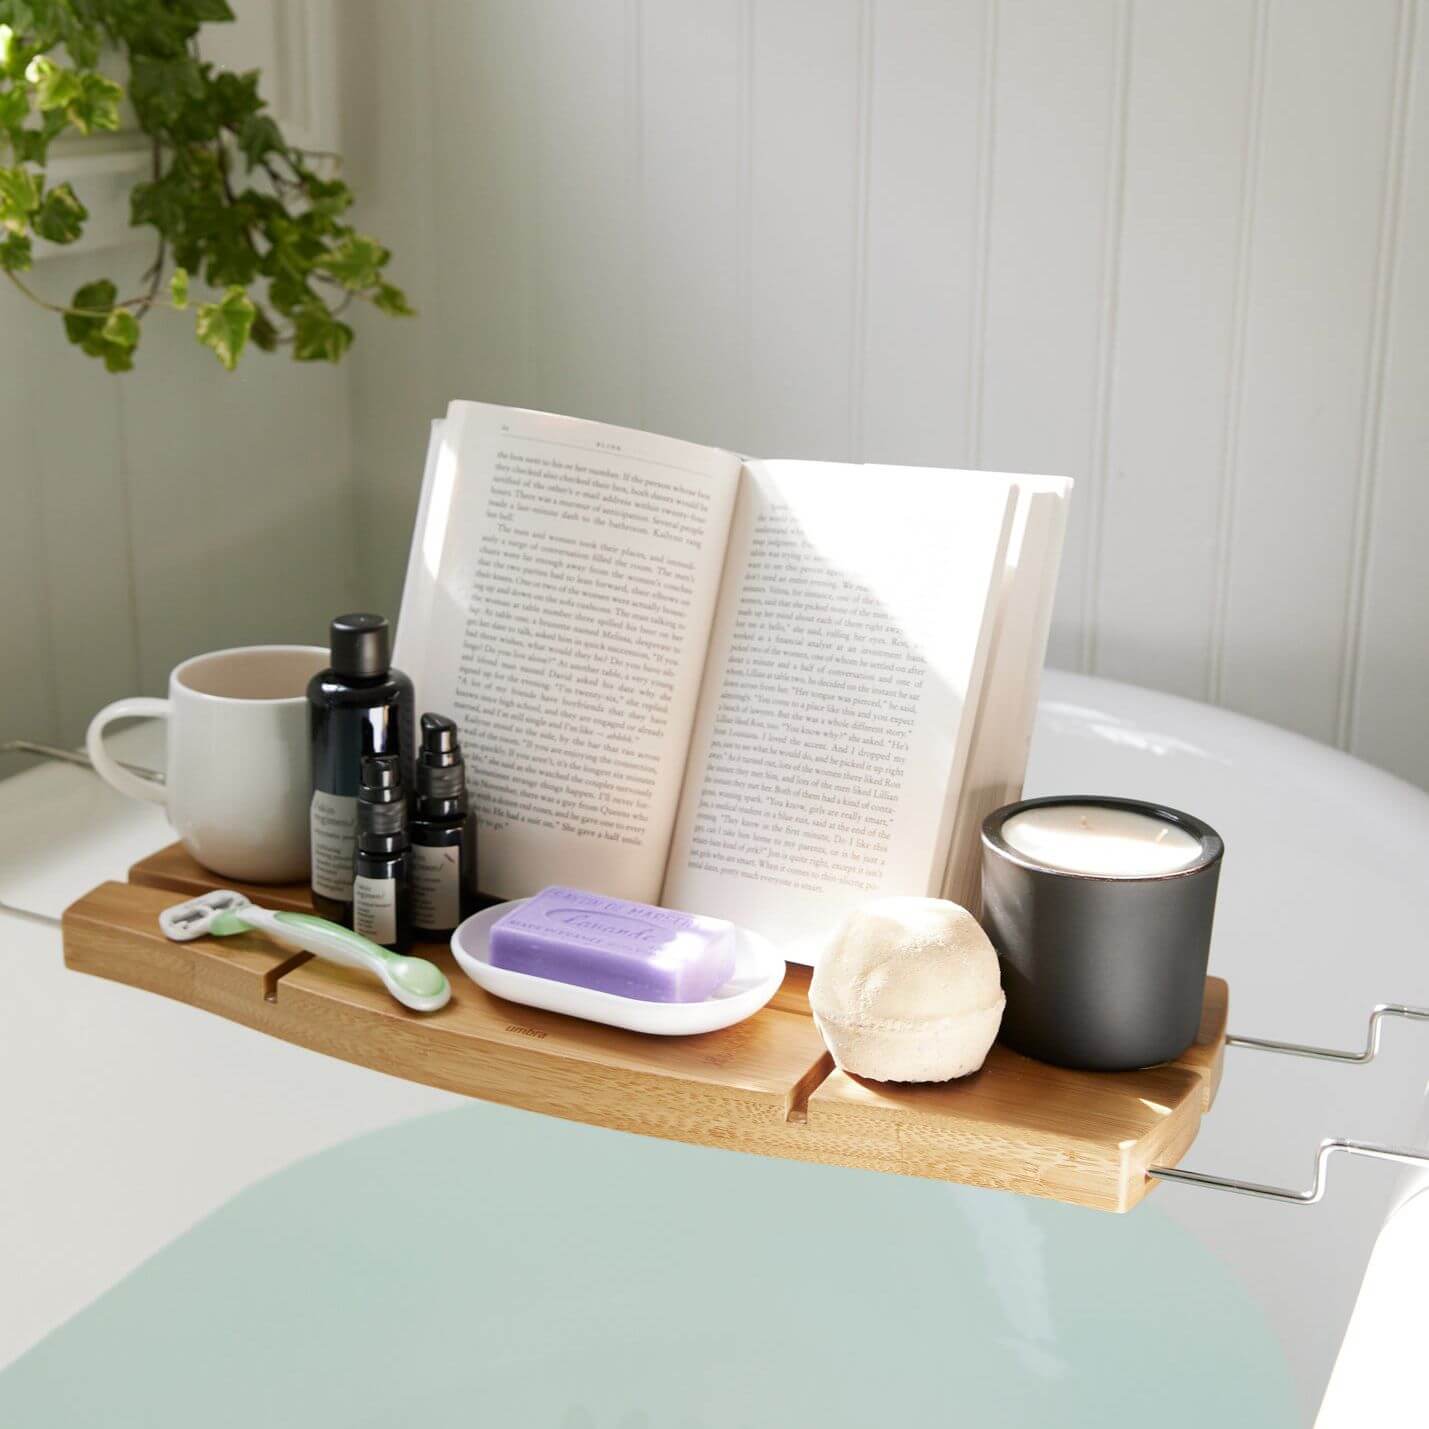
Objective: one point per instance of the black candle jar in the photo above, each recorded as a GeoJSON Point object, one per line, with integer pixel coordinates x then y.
{"type": "Point", "coordinates": [1104, 971]}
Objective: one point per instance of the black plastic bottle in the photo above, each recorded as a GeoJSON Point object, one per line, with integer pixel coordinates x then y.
{"type": "Point", "coordinates": [443, 859]}
{"type": "Point", "coordinates": [358, 707]}
{"type": "Point", "coordinates": [381, 908]}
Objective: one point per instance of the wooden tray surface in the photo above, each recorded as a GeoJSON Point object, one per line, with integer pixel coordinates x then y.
{"type": "Point", "coordinates": [766, 1086]}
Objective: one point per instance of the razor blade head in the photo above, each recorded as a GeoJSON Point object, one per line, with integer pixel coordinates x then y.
{"type": "Point", "coordinates": [193, 919]}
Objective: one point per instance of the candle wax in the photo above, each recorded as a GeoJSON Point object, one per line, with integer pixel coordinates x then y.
{"type": "Point", "coordinates": [1091, 838]}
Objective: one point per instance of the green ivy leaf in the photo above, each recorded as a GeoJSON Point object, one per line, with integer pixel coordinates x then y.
{"type": "Point", "coordinates": [224, 326]}
{"type": "Point", "coordinates": [92, 304]}
{"type": "Point", "coordinates": [320, 337]}
{"type": "Point", "coordinates": [179, 288]}
{"type": "Point", "coordinates": [328, 197]}
{"type": "Point", "coordinates": [208, 12]}
{"type": "Point", "coordinates": [96, 108]}
{"type": "Point", "coordinates": [60, 217]}
{"type": "Point", "coordinates": [356, 262]}
{"type": "Point", "coordinates": [233, 261]}
{"type": "Point", "coordinates": [100, 329]}
{"type": "Point", "coordinates": [259, 137]}
{"type": "Point", "coordinates": [264, 335]}
{"type": "Point", "coordinates": [55, 87]}
{"type": "Point", "coordinates": [116, 341]}
{"type": "Point", "coordinates": [31, 145]}
{"type": "Point", "coordinates": [393, 301]}
{"type": "Point", "coordinates": [15, 252]}
{"type": "Point", "coordinates": [19, 197]}
{"type": "Point", "coordinates": [233, 98]}
{"type": "Point", "coordinates": [289, 293]}
{"type": "Point", "coordinates": [83, 45]}
{"type": "Point", "coordinates": [167, 203]}
{"type": "Point", "coordinates": [14, 107]}
{"type": "Point", "coordinates": [165, 92]}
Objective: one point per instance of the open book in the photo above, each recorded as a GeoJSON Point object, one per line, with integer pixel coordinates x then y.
{"type": "Point", "coordinates": [762, 690]}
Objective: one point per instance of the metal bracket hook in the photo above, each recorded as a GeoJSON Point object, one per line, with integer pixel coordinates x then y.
{"type": "Point", "coordinates": [1329, 1054]}
{"type": "Point", "coordinates": [1401, 1154]}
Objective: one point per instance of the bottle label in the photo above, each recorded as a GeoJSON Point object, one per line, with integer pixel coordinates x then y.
{"type": "Point", "coordinates": [436, 886]}
{"type": "Point", "coordinates": [374, 909]}
{"type": "Point", "coordinates": [332, 832]}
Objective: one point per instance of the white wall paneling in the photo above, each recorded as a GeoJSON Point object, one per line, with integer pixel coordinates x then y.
{"type": "Point", "coordinates": [1390, 691]}
{"type": "Point", "coordinates": [1059, 96]}
{"type": "Point", "coordinates": [1172, 250]}
{"type": "Point", "coordinates": [1310, 324]}
{"type": "Point", "coordinates": [1177, 251]}
{"type": "Point", "coordinates": [806, 116]}
{"type": "Point", "coordinates": [926, 130]}
{"type": "Point", "coordinates": [1187, 126]}
{"type": "Point", "coordinates": [690, 215]}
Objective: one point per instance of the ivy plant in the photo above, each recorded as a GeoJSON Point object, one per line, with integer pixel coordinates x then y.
{"type": "Point", "coordinates": [235, 207]}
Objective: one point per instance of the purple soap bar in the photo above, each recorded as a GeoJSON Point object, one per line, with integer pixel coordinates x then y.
{"type": "Point", "coordinates": [630, 949]}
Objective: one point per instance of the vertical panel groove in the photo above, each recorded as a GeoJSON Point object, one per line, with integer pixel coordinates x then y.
{"type": "Point", "coordinates": [1367, 468]}
{"type": "Point", "coordinates": [1235, 377]}
{"type": "Point", "coordinates": [744, 206]}
{"type": "Point", "coordinates": [1107, 334]}
{"type": "Point", "coordinates": [987, 155]}
{"type": "Point", "coordinates": [47, 571]}
{"type": "Point", "coordinates": [126, 536]}
{"type": "Point", "coordinates": [635, 198]}
{"type": "Point", "coordinates": [525, 128]}
{"type": "Point", "coordinates": [858, 345]}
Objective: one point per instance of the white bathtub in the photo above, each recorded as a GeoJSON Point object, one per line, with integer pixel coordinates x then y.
{"type": "Point", "coordinates": [142, 1117]}
{"type": "Point", "coordinates": [1322, 912]}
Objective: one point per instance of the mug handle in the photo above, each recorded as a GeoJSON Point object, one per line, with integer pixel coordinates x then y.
{"type": "Point", "coordinates": [108, 769]}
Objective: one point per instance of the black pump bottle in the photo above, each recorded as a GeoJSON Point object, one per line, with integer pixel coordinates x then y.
{"type": "Point", "coordinates": [358, 707]}
{"type": "Point", "coordinates": [380, 907]}
{"type": "Point", "coordinates": [443, 859]}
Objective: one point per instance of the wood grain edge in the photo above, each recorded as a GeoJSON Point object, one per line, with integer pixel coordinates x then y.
{"type": "Point", "coordinates": [646, 1102]}
{"type": "Point", "coordinates": [816, 1119]}
{"type": "Point", "coordinates": [94, 945]}
{"type": "Point", "coordinates": [237, 979]}
{"type": "Point", "coordinates": [850, 1128]}
{"type": "Point", "coordinates": [247, 980]}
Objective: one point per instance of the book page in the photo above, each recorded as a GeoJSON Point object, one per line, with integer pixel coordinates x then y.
{"type": "Point", "coordinates": [559, 609]}
{"type": "Point", "coordinates": [837, 707]}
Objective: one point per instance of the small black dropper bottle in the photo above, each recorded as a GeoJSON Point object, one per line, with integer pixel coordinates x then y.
{"type": "Point", "coordinates": [380, 908]}
{"type": "Point", "coordinates": [443, 872]}
{"type": "Point", "coordinates": [357, 707]}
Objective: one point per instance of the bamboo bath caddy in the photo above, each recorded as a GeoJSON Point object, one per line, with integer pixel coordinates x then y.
{"type": "Point", "coordinates": [766, 1086]}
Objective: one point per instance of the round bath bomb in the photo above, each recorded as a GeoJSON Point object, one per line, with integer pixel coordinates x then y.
{"type": "Point", "coordinates": [908, 990]}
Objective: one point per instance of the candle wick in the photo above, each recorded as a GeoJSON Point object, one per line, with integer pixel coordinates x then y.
{"type": "Point", "coordinates": [1162, 835]}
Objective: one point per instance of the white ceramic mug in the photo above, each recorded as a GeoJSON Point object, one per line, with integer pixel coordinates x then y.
{"type": "Point", "coordinates": [239, 768]}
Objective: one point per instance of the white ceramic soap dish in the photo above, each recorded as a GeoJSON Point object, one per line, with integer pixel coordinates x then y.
{"type": "Point", "coordinates": [758, 971]}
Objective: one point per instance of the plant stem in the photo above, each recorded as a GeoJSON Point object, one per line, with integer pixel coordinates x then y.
{"type": "Point", "coordinates": [35, 298]}
{"type": "Point", "coordinates": [64, 310]}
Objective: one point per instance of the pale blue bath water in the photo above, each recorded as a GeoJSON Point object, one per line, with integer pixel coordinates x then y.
{"type": "Point", "coordinates": [491, 1267]}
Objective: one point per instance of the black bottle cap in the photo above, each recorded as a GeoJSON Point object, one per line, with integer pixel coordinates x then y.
{"type": "Point", "coordinates": [441, 776]}
{"type": "Point", "coordinates": [361, 645]}
{"type": "Point", "coordinates": [381, 805]}
{"type": "Point", "coordinates": [439, 737]}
